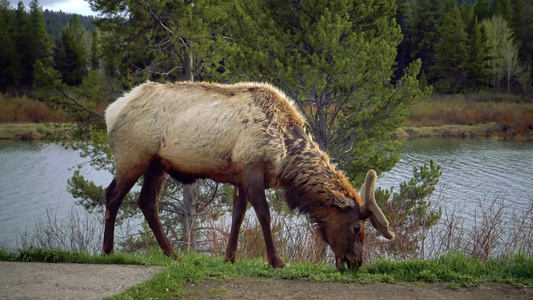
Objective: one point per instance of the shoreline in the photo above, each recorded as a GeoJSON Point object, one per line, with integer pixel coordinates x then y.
{"type": "Point", "coordinates": [54, 131]}
{"type": "Point", "coordinates": [35, 131]}
{"type": "Point", "coordinates": [490, 130]}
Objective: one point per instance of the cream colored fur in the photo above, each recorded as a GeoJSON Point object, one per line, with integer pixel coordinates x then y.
{"type": "Point", "coordinates": [200, 128]}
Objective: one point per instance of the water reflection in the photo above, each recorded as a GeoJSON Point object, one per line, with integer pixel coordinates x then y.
{"type": "Point", "coordinates": [33, 176]}
{"type": "Point", "coordinates": [473, 171]}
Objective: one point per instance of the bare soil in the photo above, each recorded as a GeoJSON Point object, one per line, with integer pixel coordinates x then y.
{"type": "Point", "coordinates": [299, 289]}
{"type": "Point", "coordinates": [23, 280]}
{"type": "Point", "coordinates": [89, 281]}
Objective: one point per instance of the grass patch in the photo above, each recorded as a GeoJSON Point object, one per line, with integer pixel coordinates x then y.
{"type": "Point", "coordinates": [34, 131]}
{"type": "Point", "coordinates": [469, 116]}
{"type": "Point", "coordinates": [490, 130]}
{"type": "Point", "coordinates": [61, 256]}
{"type": "Point", "coordinates": [455, 270]}
{"type": "Point", "coordinates": [27, 110]}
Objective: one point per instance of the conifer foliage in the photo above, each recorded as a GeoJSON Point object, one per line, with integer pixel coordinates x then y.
{"type": "Point", "coordinates": [155, 39]}
{"type": "Point", "coordinates": [354, 68]}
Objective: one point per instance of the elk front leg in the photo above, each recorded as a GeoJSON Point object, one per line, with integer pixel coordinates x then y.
{"type": "Point", "coordinates": [255, 193]}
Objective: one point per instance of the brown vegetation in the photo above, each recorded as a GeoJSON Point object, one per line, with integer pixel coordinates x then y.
{"type": "Point", "coordinates": [497, 228]}
{"type": "Point", "coordinates": [507, 118]}
{"type": "Point", "coordinates": [26, 110]}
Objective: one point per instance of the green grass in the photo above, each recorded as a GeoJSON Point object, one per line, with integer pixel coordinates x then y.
{"type": "Point", "coordinates": [61, 256]}
{"type": "Point", "coordinates": [34, 131]}
{"type": "Point", "coordinates": [455, 270]}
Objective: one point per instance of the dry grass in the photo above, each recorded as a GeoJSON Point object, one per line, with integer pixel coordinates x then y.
{"type": "Point", "coordinates": [294, 237]}
{"type": "Point", "coordinates": [35, 131]}
{"type": "Point", "coordinates": [510, 117]}
{"type": "Point", "coordinates": [26, 110]}
{"type": "Point", "coordinates": [497, 227]}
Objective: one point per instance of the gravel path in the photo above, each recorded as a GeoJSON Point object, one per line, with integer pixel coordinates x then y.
{"type": "Point", "coordinates": [68, 281]}
{"type": "Point", "coordinates": [88, 281]}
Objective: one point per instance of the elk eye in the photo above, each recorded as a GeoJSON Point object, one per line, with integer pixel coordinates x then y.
{"type": "Point", "coordinates": [357, 228]}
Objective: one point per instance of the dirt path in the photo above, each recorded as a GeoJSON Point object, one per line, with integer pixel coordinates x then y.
{"type": "Point", "coordinates": [257, 289]}
{"type": "Point", "coordinates": [88, 281]}
{"type": "Point", "coordinates": [68, 281]}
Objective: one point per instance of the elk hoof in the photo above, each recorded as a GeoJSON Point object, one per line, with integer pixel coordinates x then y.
{"type": "Point", "coordinates": [277, 263]}
{"type": "Point", "coordinates": [230, 260]}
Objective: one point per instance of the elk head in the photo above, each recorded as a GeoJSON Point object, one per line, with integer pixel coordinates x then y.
{"type": "Point", "coordinates": [344, 229]}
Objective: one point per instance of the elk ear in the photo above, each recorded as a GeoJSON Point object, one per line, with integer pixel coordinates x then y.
{"type": "Point", "coordinates": [377, 218]}
{"type": "Point", "coordinates": [340, 202]}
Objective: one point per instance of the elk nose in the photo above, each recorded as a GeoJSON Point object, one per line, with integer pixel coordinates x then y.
{"type": "Point", "coordinates": [352, 263]}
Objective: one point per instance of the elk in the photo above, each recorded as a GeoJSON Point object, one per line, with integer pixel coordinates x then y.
{"type": "Point", "coordinates": [249, 135]}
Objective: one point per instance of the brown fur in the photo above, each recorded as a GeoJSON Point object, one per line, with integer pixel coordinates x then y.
{"type": "Point", "coordinates": [306, 171]}
{"type": "Point", "coordinates": [249, 135]}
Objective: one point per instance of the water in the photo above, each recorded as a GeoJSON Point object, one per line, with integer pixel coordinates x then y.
{"type": "Point", "coordinates": [33, 176]}
{"type": "Point", "coordinates": [472, 171]}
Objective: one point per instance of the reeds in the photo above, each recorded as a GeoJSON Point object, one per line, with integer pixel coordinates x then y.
{"type": "Point", "coordinates": [496, 229]}
{"type": "Point", "coordinates": [512, 117]}
{"type": "Point", "coordinates": [26, 110]}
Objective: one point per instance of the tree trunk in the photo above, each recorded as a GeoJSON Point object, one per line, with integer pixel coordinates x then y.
{"type": "Point", "coordinates": [189, 196]}
{"type": "Point", "coordinates": [188, 74]}
{"type": "Point", "coordinates": [189, 217]}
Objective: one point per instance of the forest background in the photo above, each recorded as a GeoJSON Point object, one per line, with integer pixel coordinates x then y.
{"type": "Point", "coordinates": [357, 69]}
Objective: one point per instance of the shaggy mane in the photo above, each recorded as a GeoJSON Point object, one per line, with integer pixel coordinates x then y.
{"type": "Point", "coordinates": [306, 171]}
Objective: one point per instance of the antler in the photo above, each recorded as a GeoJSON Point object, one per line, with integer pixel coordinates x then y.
{"type": "Point", "coordinates": [377, 218]}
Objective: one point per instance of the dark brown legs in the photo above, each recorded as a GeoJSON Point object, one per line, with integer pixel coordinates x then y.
{"type": "Point", "coordinates": [154, 180]}
{"type": "Point", "coordinates": [239, 211]}
{"type": "Point", "coordinates": [114, 195]}
{"type": "Point", "coordinates": [254, 191]}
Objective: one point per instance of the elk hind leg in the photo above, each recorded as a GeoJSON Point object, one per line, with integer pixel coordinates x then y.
{"type": "Point", "coordinates": [239, 211]}
{"type": "Point", "coordinates": [114, 193]}
{"type": "Point", "coordinates": [154, 180]}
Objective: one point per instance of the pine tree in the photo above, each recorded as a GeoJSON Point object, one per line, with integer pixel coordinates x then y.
{"type": "Point", "coordinates": [9, 59]}
{"type": "Point", "coordinates": [404, 19]}
{"type": "Point", "coordinates": [503, 8]}
{"type": "Point", "coordinates": [112, 53]}
{"type": "Point", "coordinates": [428, 16]}
{"type": "Point", "coordinates": [449, 5]}
{"type": "Point", "coordinates": [39, 43]}
{"type": "Point", "coordinates": [468, 15]}
{"type": "Point", "coordinates": [482, 10]}
{"type": "Point", "coordinates": [336, 60]}
{"type": "Point", "coordinates": [451, 53]}
{"type": "Point", "coordinates": [165, 40]}
{"type": "Point", "coordinates": [69, 54]}
{"type": "Point", "coordinates": [20, 36]}
{"type": "Point", "coordinates": [478, 72]}
{"type": "Point", "coordinates": [95, 51]}
{"type": "Point", "coordinates": [523, 28]}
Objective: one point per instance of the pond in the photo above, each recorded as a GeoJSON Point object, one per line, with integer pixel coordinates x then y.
{"type": "Point", "coordinates": [34, 174]}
